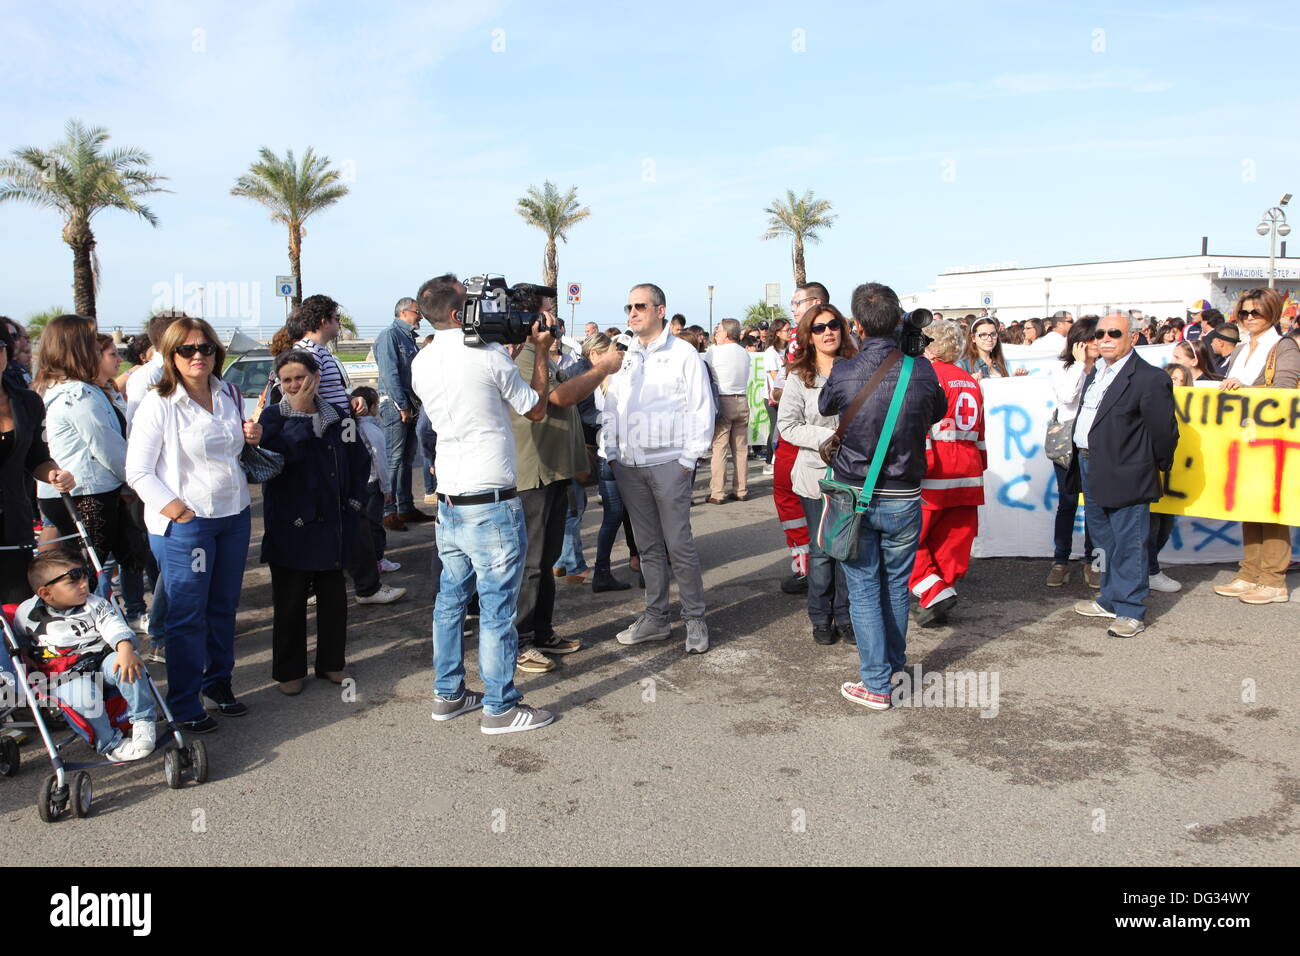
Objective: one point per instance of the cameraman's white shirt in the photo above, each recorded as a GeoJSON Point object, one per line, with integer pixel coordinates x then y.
{"type": "Point", "coordinates": [467, 392]}
{"type": "Point", "coordinates": [659, 406]}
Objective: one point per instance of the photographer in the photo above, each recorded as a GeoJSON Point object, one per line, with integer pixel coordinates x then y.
{"type": "Point", "coordinates": [877, 577]}
{"type": "Point", "coordinates": [467, 392]}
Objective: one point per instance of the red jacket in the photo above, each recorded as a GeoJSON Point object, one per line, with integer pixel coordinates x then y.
{"type": "Point", "coordinates": [955, 457]}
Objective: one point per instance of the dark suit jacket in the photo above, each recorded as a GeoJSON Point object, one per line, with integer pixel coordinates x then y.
{"type": "Point", "coordinates": [29, 452]}
{"type": "Point", "coordinates": [1133, 436]}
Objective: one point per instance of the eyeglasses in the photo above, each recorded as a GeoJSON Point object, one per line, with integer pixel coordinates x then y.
{"type": "Point", "coordinates": [72, 574]}
{"type": "Point", "coordinates": [207, 349]}
{"type": "Point", "coordinates": [638, 306]}
{"type": "Point", "coordinates": [835, 325]}
{"type": "Point", "coordinates": [1103, 333]}
{"type": "Point", "coordinates": [986, 335]}
{"type": "Point", "coordinates": [795, 303]}
{"type": "Point", "coordinates": [1251, 313]}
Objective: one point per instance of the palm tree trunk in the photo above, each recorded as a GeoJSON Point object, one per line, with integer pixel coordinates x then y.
{"type": "Point", "coordinates": [552, 263]}
{"type": "Point", "coordinates": [83, 275]}
{"type": "Point", "coordinates": [295, 261]}
{"type": "Point", "coordinates": [800, 277]}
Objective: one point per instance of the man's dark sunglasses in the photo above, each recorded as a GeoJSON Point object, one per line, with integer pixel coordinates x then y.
{"type": "Point", "coordinates": [1113, 333]}
{"type": "Point", "coordinates": [72, 574]}
{"type": "Point", "coordinates": [207, 349]}
{"type": "Point", "coordinates": [835, 325]}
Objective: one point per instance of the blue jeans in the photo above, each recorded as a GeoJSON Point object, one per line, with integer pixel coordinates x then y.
{"type": "Point", "coordinates": [84, 695]}
{"type": "Point", "coordinates": [1121, 534]}
{"type": "Point", "coordinates": [399, 436]}
{"type": "Point", "coordinates": [571, 558]}
{"type": "Point", "coordinates": [611, 506]}
{"type": "Point", "coordinates": [828, 592]}
{"type": "Point", "coordinates": [877, 582]}
{"type": "Point", "coordinates": [202, 564]}
{"type": "Point", "coordinates": [484, 542]}
{"type": "Point", "coordinates": [133, 587]}
{"type": "Point", "coordinates": [430, 482]}
{"type": "Point", "coordinates": [1162, 526]}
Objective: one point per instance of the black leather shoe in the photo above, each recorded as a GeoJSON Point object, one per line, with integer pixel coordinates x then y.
{"type": "Point", "coordinates": [795, 584]}
{"type": "Point", "coordinates": [224, 698]}
{"type": "Point", "coordinates": [204, 725]}
{"type": "Point", "coordinates": [823, 635]}
{"type": "Point", "coordinates": [845, 633]}
{"type": "Point", "coordinates": [605, 581]}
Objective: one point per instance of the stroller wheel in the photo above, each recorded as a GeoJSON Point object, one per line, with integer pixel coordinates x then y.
{"type": "Point", "coordinates": [10, 759]}
{"type": "Point", "coordinates": [172, 767]}
{"type": "Point", "coordinates": [82, 795]}
{"type": "Point", "coordinates": [50, 805]}
{"type": "Point", "coordinates": [198, 761]}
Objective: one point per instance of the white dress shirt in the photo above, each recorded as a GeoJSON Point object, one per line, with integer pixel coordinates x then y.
{"type": "Point", "coordinates": [659, 406]}
{"type": "Point", "coordinates": [140, 381]}
{"type": "Point", "coordinates": [468, 392]}
{"type": "Point", "coordinates": [1067, 385]}
{"type": "Point", "coordinates": [1247, 368]}
{"type": "Point", "coordinates": [178, 449]}
{"type": "Point", "coordinates": [773, 370]}
{"type": "Point", "coordinates": [1106, 373]}
{"type": "Point", "coordinates": [731, 366]}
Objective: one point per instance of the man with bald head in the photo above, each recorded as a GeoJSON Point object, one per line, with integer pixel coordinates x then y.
{"type": "Point", "coordinates": [1125, 436]}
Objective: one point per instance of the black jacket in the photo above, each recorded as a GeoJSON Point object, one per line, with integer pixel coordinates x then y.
{"type": "Point", "coordinates": [308, 508]}
{"type": "Point", "coordinates": [29, 451]}
{"type": "Point", "coordinates": [924, 403]}
{"type": "Point", "coordinates": [1133, 436]}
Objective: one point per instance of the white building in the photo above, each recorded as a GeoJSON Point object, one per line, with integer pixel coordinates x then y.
{"type": "Point", "coordinates": [1159, 287]}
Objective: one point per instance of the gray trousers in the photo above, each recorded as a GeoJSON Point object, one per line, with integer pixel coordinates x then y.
{"type": "Point", "coordinates": [658, 500]}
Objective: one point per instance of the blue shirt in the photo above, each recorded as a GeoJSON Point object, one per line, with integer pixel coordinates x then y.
{"type": "Point", "coordinates": [1101, 381]}
{"type": "Point", "coordinates": [395, 349]}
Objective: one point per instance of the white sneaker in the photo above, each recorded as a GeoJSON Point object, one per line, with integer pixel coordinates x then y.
{"type": "Point", "coordinates": [768, 470]}
{"type": "Point", "coordinates": [139, 624]}
{"type": "Point", "coordinates": [145, 736]}
{"type": "Point", "coordinates": [311, 600]}
{"type": "Point", "coordinates": [1163, 583]}
{"type": "Point", "coordinates": [385, 595]}
{"type": "Point", "coordinates": [388, 567]}
{"type": "Point", "coordinates": [128, 749]}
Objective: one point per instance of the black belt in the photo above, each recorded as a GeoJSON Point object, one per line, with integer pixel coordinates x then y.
{"type": "Point", "coordinates": [486, 498]}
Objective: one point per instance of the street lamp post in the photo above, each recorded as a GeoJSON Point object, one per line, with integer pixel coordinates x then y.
{"type": "Point", "coordinates": [1273, 224]}
{"type": "Point", "coordinates": [1047, 297]}
{"type": "Point", "coordinates": [710, 310]}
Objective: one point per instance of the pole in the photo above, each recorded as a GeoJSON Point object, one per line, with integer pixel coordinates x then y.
{"type": "Point", "coordinates": [1272, 248]}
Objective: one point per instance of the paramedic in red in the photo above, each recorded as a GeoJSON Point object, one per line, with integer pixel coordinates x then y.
{"type": "Point", "coordinates": [953, 487]}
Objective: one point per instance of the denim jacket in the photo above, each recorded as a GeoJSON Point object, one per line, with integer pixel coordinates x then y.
{"type": "Point", "coordinates": [394, 351]}
{"type": "Point", "coordinates": [85, 437]}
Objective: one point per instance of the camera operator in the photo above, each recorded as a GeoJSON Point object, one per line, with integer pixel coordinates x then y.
{"type": "Point", "coordinates": [890, 531]}
{"type": "Point", "coordinates": [468, 392]}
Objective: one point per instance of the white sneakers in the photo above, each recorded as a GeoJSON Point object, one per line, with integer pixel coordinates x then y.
{"type": "Point", "coordinates": [388, 567]}
{"type": "Point", "coordinates": [139, 623]}
{"type": "Point", "coordinates": [1163, 583]}
{"type": "Point", "coordinates": [385, 595]}
{"type": "Point", "coordinates": [141, 743]}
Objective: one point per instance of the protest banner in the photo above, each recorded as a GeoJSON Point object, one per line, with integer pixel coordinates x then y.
{"type": "Point", "coordinates": [1038, 361]}
{"type": "Point", "coordinates": [759, 422]}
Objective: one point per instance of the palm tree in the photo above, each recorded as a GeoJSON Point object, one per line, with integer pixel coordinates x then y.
{"type": "Point", "coordinates": [79, 178]}
{"type": "Point", "coordinates": [799, 218]}
{"type": "Point", "coordinates": [37, 321]}
{"type": "Point", "coordinates": [554, 215]}
{"type": "Point", "coordinates": [762, 312]}
{"type": "Point", "coordinates": [292, 191]}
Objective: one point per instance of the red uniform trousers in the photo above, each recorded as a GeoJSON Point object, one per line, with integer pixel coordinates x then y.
{"type": "Point", "coordinates": [788, 507]}
{"type": "Point", "coordinates": [943, 554]}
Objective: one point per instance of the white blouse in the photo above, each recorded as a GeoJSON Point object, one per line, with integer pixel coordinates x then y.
{"type": "Point", "coordinates": [178, 449]}
{"type": "Point", "coordinates": [1067, 384]}
{"type": "Point", "coordinates": [1246, 369]}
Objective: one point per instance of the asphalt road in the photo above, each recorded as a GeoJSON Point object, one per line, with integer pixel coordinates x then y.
{"type": "Point", "coordinates": [1177, 747]}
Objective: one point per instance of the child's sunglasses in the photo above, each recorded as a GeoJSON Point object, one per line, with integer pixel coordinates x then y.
{"type": "Point", "coordinates": [72, 574]}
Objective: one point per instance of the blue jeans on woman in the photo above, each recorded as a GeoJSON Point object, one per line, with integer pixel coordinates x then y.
{"type": "Point", "coordinates": [828, 592]}
{"type": "Point", "coordinates": [611, 505]}
{"type": "Point", "coordinates": [133, 587]}
{"type": "Point", "coordinates": [202, 564]}
{"type": "Point", "coordinates": [878, 594]}
{"type": "Point", "coordinates": [571, 558]}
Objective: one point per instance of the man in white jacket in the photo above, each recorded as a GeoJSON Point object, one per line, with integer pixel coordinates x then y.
{"type": "Point", "coordinates": [656, 424]}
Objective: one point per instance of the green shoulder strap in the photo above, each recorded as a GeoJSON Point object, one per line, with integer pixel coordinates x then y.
{"type": "Point", "coordinates": [886, 433]}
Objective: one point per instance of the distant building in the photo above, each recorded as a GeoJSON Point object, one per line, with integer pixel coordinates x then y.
{"type": "Point", "coordinates": [1159, 287]}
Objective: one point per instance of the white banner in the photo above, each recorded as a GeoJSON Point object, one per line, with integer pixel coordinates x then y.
{"type": "Point", "coordinates": [1038, 361]}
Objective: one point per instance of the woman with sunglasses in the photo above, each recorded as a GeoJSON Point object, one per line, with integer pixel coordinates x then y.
{"type": "Point", "coordinates": [1194, 355]}
{"type": "Point", "coordinates": [86, 434]}
{"type": "Point", "coordinates": [1077, 361]}
{"type": "Point", "coordinates": [983, 356]}
{"type": "Point", "coordinates": [183, 462]}
{"type": "Point", "coordinates": [821, 339]}
{"type": "Point", "coordinates": [24, 456]}
{"type": "Point", "coordinates": [1267, 359]}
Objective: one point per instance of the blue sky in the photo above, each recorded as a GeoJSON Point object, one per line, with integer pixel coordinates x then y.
{"type": "Point", "coordinates": [943, 134]}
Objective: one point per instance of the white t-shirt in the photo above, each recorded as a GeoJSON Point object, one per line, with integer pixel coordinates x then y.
{"type": "Point", "coordinates": [773, 370]}
{"type": "Point", "coordinates": [468, 392]}
{"type": "Point", "coordinates": [140, 381]}
{"type": "Point", "coordinates": [731, 367]}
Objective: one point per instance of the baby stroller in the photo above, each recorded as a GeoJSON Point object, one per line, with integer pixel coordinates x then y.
{"type": "Point", "coordinates": [70, 783]}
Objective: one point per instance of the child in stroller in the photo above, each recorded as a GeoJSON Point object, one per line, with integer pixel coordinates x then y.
{"type": "Point", "coordinates": [76, 636]}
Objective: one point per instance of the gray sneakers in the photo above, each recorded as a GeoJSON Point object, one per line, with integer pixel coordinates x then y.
{"type": "Point", "coordinates": [1126, 627]}
{"type": "Point", "coordinates": [447, 709]}
{"type": "Point", "coordinates": [697, 637]}
{"type": "Point", "coordinates": [517, 719]}
{"type": "Point", "coordinates": [646, 628]}
{"type": "Point", "coordinates": [1091, 609]}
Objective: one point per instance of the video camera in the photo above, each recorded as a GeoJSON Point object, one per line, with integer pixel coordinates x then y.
{"type": "Point", "coordinates": [911, 340]}
{"type": "Point", "coordinates": [497, 312]}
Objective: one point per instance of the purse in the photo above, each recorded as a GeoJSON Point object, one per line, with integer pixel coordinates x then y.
{"type": "Point", "coordinates": [1058, 443]}
{"type": "Point", "coordinates": [259, 464]}
{"type": "Point", "coordinates": [843, 505]}
{"type": "Point", "coordinates": [831, 446]}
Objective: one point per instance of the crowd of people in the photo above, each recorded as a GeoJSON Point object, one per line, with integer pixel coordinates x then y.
{"type": "Point", "coordinates": [156, 464]}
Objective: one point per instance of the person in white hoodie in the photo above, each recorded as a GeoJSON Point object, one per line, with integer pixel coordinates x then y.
{"type": "Point", "coordinates": [656, 424]}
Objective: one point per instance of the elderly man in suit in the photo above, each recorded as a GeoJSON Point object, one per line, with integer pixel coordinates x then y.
{"type": "Point", "coordinates": [1125, 436]}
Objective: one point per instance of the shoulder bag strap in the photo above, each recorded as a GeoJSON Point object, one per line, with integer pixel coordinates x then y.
{"type": "Point", "coordinates": [1270, 366]}
{"type": "Point", "coordinates": [872, 383]}
{"type": "Point", "coordinates": [886, 433]}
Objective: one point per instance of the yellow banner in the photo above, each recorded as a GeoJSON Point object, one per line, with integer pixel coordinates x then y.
{"type": "Point", "coordinates": [1238, 455]}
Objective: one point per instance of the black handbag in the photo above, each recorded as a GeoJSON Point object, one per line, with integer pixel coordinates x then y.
{"type": "Point", "coordinates": [1058, 443]}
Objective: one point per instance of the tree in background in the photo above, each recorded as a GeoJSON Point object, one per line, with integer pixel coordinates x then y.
{"type": "Point", "coordinates": [293, 192]}
{"type": "Point", "coordinates": [762, 312]}
{"type": "Point", "coordinates": [799, 219]}
{"type": "Point", "coordinates": [37, 321]}
{"type": "Point", "coordinates": [554, 214]}
{"type": "Point", "coordinates": [80, 178]}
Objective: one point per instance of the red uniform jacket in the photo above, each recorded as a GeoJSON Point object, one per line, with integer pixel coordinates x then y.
{"type": "Point", "coordinates": [955, 457]}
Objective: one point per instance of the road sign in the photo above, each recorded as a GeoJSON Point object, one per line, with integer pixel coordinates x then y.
{"type": "Point", "coordinates": [286, 286]}
{"type": "Point", "coordinates": [986, 299]}
{"type": "Point", "coordinates": [575, 291]}
{"type": "Point", "coordinates": [772, 294]}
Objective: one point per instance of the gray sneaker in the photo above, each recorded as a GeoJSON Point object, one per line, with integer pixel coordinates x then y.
{"type": "Point", "coordinates": [444, 709]}
{"type": "Point", "coordinates": [517, 719]}
{"type": "Point", "coordinates": [697, 637]}
{"type": "Point", "coordinates": [645, 628]}
{"type": "Point", "coordinates": [1091, 609]}
{"type": "Point", "coordinates": [1126, 627]}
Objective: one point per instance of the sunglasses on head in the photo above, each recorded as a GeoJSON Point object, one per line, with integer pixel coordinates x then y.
{"type": "Point", "coordinates": [72, 574]}
{"type": "Point", "coordinates": [638, 306]}
{"type": "Point", "coordinates": [835, 325]}
{"type": "Point", "coordinates": [1103, 333]}
{"type": "Point", "coordinates": [207, 349]}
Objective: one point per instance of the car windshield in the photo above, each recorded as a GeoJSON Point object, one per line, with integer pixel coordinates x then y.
{"type": "Point", "coordinates": [249, 375]}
